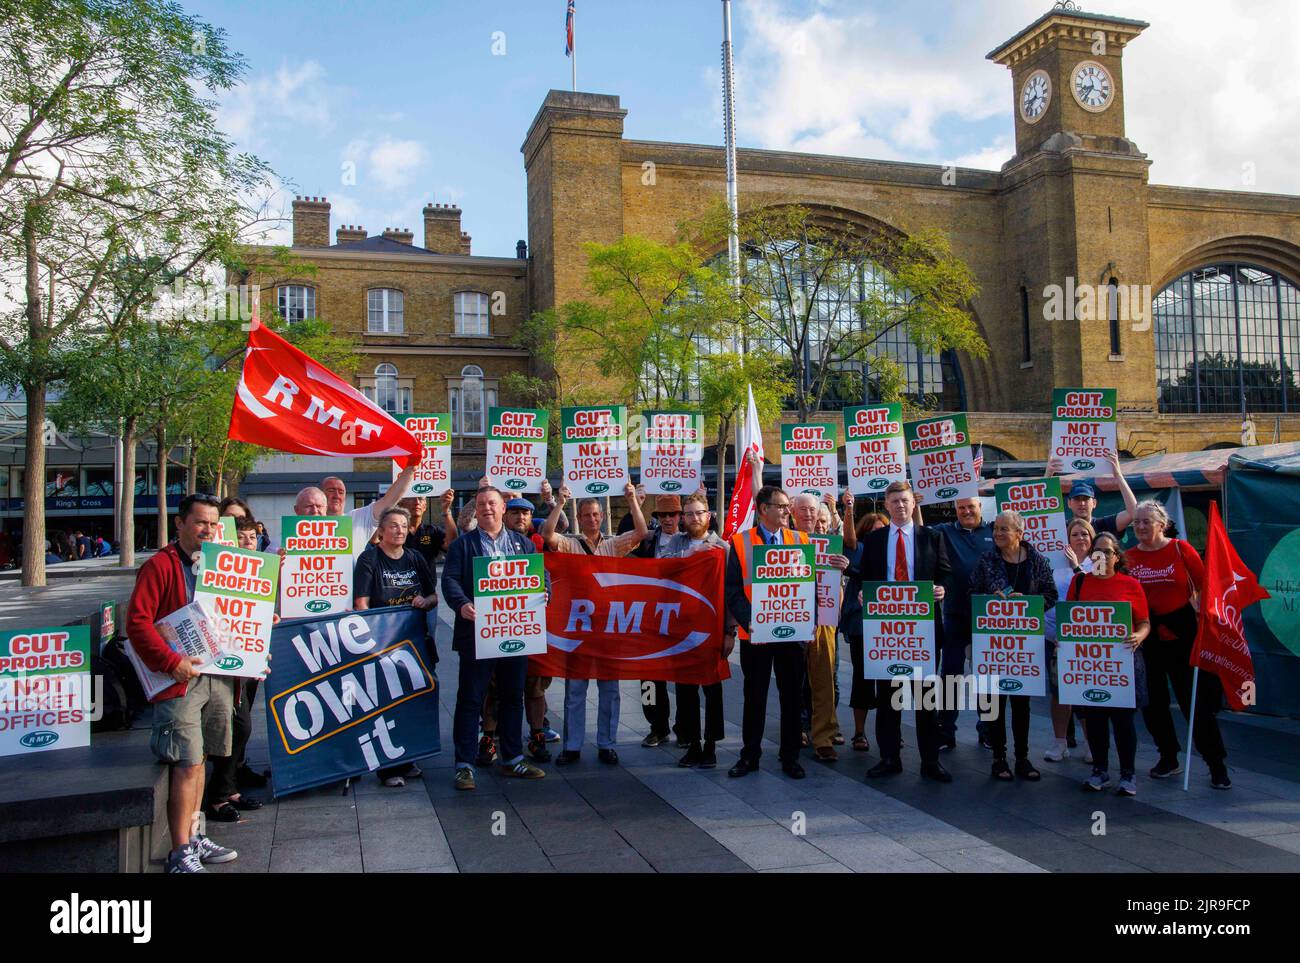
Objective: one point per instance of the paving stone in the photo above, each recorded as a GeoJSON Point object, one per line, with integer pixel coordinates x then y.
{"type": "Point", "coordinates": [769, 847]}
{"type": "Point", "coordinates": [814, 868]}
{"type": "Point", "coordinates": [872, 853]}
{"type": "Point", "coordinates": [622, 860]}
{"type": "Point", "coordinates": [315, 821]}
{"type": "Point", "coordinates": [328, 854]}
{"type": "Point", "coordinates": [403, 844]}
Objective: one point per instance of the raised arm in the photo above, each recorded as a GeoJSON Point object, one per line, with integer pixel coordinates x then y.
{"type": "Point", "coordinates": [1124, 518]}
{"type": "Point", "coordinates": [549, 537]}
{"type": "Point", "coordinates": [396, 492]}
{"type": "Point", "coordinates": [449, 529]}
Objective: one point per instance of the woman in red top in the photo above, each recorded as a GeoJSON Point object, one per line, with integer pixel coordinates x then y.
{"type": "Point", "coordinates": [1108, 582]}
{"type": "Point", "coordinates": [1172, 574]}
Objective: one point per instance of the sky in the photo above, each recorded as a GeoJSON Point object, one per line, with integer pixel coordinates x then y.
{"type": "Point", "coordinates": [430, 101]}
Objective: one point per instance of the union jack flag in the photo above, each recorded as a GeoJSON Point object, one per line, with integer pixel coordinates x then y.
{"type": "Point", "coordinates": [979, 460]}
{"type": "Point", "coordinates": [568, 29]}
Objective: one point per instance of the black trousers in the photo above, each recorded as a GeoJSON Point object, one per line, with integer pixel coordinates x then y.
{"type": "Point", "coordinates": [510, 674]}
{"type": "Point", "coordinates": [996, 729]}
{"type": "Point", "coordinates": [863, 694]}
{"type": "Point", "coordinates": [889, 726]}
{"type": "Point", "coordinates": [758, 662]}
{"type": "Point", "coordinates": [688, 713]}
{"type": "Point", "coordinates": [952, 666]}
{"type": "Point", "coordinates": [657, 710]}
{"type": "Point", "coordinates": [1097, 723]}
{"type": "Point", "coordinates": [1167, 665]}
{"type": "Point", "coordinates": [222, 785]}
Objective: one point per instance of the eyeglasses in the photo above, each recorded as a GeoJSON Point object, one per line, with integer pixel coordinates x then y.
{"type": "Point", "coordinates": [779, 506]}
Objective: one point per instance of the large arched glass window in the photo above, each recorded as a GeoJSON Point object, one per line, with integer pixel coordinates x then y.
{"type": "Point", "coordinates": [470, 397]}
{"type": "Point", "coordinates": [389, 392]}
{"type": "Point", "coordinates": [1228, 340]}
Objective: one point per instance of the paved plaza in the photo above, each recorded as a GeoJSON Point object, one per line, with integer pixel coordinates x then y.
{"type": "Point", "coordinates": [647, 815]}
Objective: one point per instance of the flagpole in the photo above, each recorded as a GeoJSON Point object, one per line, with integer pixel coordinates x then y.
{"type": "Point", "coordinates": [1191, 717]}
{"type": "Point", "coordinates": [733, 232]}
{"type": "Point", "coordinates": [573, 56]}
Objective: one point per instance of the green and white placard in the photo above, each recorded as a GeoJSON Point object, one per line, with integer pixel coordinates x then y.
{"type": "Point", "coordinates": [433, 475]}
{"type": "Point", "coordinates": [509, 606]}
{"type": "Point", "coordinates": [898, 630]}
{"type": "Point", "coordinates": [1008, 652]}
{"type": "Point", "coordinates": [236, 587]}
{"type": "Point", "coordinates": [1094, 664]}
{"type": "Point", "coordinates": [810, 458]}
{"type": "Point", "coordinates": [316, 577]}
{"type": "Point", "coordinates": [595, 449]}
{"type": "Point", "coordinates": [516, 449]}
{"type": "Point", "coordinates": [1083, 427]}
{"type": "Point", "coordinates": [940, 459]}
{"type": "Point", "coordinates": [672, 448]}
{"type": "Point", "coordinates": [1040, 504]}
{"type": "Point", "coordinates": [783, 597]}
{"type": "Point", "coordinates": [874, 453]}
{"type": "Point", "coordinates": [45, 689]}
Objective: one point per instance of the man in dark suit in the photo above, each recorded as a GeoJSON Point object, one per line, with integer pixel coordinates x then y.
{"type": "Point", "coordinates": [490, 538]}
{"type": "Point", "coordinates": [906, 551]}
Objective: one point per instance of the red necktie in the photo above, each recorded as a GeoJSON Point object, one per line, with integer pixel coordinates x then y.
{"type": "Point", "coordinates": [900, 559]}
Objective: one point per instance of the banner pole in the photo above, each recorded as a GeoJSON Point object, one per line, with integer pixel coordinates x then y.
{"type": "Point", "coordinates": [1191, 717]}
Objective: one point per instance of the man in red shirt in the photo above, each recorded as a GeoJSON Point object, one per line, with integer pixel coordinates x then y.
{"type": "Point", "coordinates": [191, 719]}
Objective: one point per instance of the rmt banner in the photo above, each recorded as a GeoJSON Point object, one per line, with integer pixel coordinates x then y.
{"type": "Point", "coordinates": [516, 448]}
{"type": "Point", "coordinates": [898, 630]}
{"type": "Point", "coordinates": [595, 449]}
{"type": "Point", "coordinates": [783, 598]}
{"type": "Point", "coordinates": [829, 578]}
{"type": "Point", "coordinates": [1040, 504]}
{"type": "Point", "coordinates": [509, 606]}
{"type": "Point", "coordinates": [810, 459]}
{"type": "Point", "coordinates": [874, 452]}
{"type": "Point", "coordinates": [671, 451]}
{"type": "Point", "coordinates": [1008, 646]}
{"type": "Point", "coordinates": [632, 618]}
{"type": "Point", "coordinates": [939, 455]}
{"type": "Point", "coordinates": [316, 577]}
{"type": "Point", "coordinates": [350, 693]}
{"type": "Point", "coordinates": [45, 695]}
{"type": "Point", "coordinates": [1083, 427]}
{"type": "Point", "coordinates": [1094, 664]}
{"type": "Point", "coordinates": [236, 588]}
{"type": "Point", "coordinates": [433, 475]}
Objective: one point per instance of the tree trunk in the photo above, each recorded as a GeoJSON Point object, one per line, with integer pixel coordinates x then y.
{"type": "Point", "coordinates": [724, 430]}
{"type": "Point", "coordinates": [192, 470]}
{"type": "Point", "coordinates": [126, 545]}
{"type": "Point", "coordinates": [34, 486]}
{"type": "Point", "coordinates": [160, 436]}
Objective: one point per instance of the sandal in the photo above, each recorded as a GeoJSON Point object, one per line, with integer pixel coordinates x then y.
{"type": "Point", "coordinates": [837, 740]}
{"type": "Point", "coordinates": [860, 743]}
{"type": "Point", "coordinates": [1002, 771]}
{"type": "Point", "coordinates": [804, 741]}
{"type": "Point", "coordinates": [1025, 770]}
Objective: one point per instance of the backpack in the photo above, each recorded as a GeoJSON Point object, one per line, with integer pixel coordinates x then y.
{"type": "Point", "coordinates": [114, 656]}
{"type": "Point", "coordinates": [114, 713]}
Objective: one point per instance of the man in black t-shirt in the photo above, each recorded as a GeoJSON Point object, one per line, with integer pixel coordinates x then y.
{"type": "Point", "coordinates": [428, 539]}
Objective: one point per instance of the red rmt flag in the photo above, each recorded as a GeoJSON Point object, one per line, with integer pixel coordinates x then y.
{"type": "Point", "coordinates": [1221, 642]}
{"type": "Point", "coordinates": [287, 401]}
{"type": "Point", "coordinates": [740, 513]}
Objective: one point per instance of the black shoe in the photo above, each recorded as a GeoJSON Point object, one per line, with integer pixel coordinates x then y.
{"type": "Point", "coordinates": [947, 742]}
{"type": "Point", "coordinates": [246, 778]}
{"type": "Point", "coordinates": [654, 739]}
{"type": "Point", "coordinates": [537, 746]}
{"type": "Point", "coordinates": [793, 770]}
{"type": "Point", "coordinates": [708, 757]}
{"type": "Point", "coordinates": [608, 756]}
{"type": "Point", "coordinates": [1219, 777]}
{"type": "Point", "coordinates": [683, 743]}
{"type": "Point", "coordinates": [743, 767]}
{"type": "Point", "coordinates": [692, 758]}
{"type": "Point", "coordinates": [932, 770]}
{"type": "Point", "coordinates": [985, 744]}
{"type": "Point", "coordinates": [246, 804]}
{"type": "Point", "coordinates": [1166, 767]}
{"type": "Point", "coordinates": [567, 756]}
{"type": "Point", "coordinates": [886, 767]}
{"type": "Point", "coordinates": [222, 813]}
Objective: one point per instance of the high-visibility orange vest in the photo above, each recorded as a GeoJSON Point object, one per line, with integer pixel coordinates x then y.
{"type": "Point", "coordinates": [742, 544]}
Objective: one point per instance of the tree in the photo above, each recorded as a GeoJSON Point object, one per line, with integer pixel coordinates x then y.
{"type": "Point", "coordinates": [107, 136]}
{"type": "Point", "coordinates": [825, 293]}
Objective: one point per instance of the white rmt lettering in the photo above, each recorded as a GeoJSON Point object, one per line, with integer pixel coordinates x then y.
{"type": "Point", "coordinates": [282, 390]}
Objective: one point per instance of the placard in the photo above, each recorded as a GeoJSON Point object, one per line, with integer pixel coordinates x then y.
{"type": "Point", "coordinates": [433, 475]}
{"type": "Point", "coordinates": [1008, 653]}
{"type": "Point", "coordinates": [898, 630]}
{"type": "Point", "coordinates": [783, 599]}
{"type": "Point", "coordinates": [190, 633]}
{"type": "Point", "coordinates": [316, 577]}
{"type": "Point", "coordinates": [595, 449]}
{"type": "Point", "coordinates": [509, 606]}
{"type": "Point", "coordinates": [237, 588]}
{"type": "Point", "coordinates": [1040, 504]}
{"type": "Point", "coordinates": [45, 689]}
{"type": "Point", "coordinates": [940, 459]}
{"type": "Point", "coordinates": [830, 580]}
{"type": "Point", "coordinates": [516, 448]}
{"type": "Point", "coordinates": [810, 459]}
{"type": "Point", "coordinates": [874, 451]}
{"type": "Point", "coordinates": [672, 448]}
{"type": "Point", "coordinates": [227, 534]}
{"type": "Point", "coordinates": [1094, 664]}
{"type": "Point", "coordinates": [1083, 427]}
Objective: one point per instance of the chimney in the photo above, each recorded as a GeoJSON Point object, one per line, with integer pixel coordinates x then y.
{"type": "Point", "coordinates": [442, 233]}
{"type": "Point", "coordinates": [349, 233]}
{"type": "Point", "coordinates": [311, 222]}
{"type": "Point", "coordinates": [521, 250]}
{"type": "Point", "coordinates": [404, 236]}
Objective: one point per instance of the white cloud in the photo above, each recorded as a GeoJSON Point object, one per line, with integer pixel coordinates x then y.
{"type": "Point", "coordinates": [291, 96]}
{"type": "Point", "coordinates": [393, 162]}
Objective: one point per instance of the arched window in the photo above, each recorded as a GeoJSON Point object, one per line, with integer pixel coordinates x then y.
{"type": "Point", "coordinates": [388, 391]}
{"type": "Point", "coordinates": [1026, 350]}
{"type": "Point", "coordinates": [1228, 340]}
{"type": "Point", "coordinates": [1112, 315]}
{"type": "Point", "coordinates": [472, 314]}
{"type": "Point", "coordinates": [470, 398]}
{"type": "Point", "coordinates": [384, 311]}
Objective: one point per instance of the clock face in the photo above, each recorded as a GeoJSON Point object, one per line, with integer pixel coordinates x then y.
{"type": "Point", "coordinates": [1035, 95]}
{"type": "Point", "coordinates": [1092, 86]}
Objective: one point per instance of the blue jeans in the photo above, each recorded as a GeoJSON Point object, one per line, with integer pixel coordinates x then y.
{"type": "Point", "coordinates": [474, 675]}
{"type": "Point", "coordinates": [575, 714]}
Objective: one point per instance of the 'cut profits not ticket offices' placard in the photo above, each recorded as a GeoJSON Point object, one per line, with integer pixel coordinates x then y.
{"type": "Point", "coordinates": [595, 449]}
{"type": "Point", "coordinates": [45, 689]}
{"type": "Point", "coordinates": [236, 587]}
{"type": "Point", "coordinates": [1042, 507]}
{"type": "Point", "coordinates": [316, 577]}
{"type": "Point", "coordinates": [1008, 645]}
{"type": "Point", "coordinates": [829, 578]}
{"type": "Point", "coordinates": [509, 606]}
{"type": "Point", "coordinates": [783, 600]}
{"type": "Point", "coordinates": [671, 451]}
{"type": "Point", "coordinates": [874, 452]}
{"type": "Point", "coordinates": [1083, 427]}
{"type": "Point", "coordinates": [940, 459]}
{"type": "Point", "coordinates": [516, 448]}
{"type": "Point", "coordinates": [1094, 664]}
{"type": "Point", "coordinates": [898, 630]}
{"type": "Point", "coordinates": [810, 459]}
{"type": "Point", "coordinates": [433, 474]}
